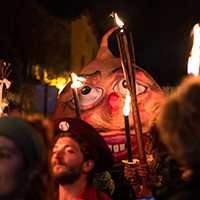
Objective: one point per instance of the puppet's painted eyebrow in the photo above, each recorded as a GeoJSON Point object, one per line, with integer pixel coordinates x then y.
{"type": "Point", "coordinates": [90, 75]}
{"type": "Point", "coordinates": [136, 70]}
{"type": "Point", "coordinates": [97, 73]}
{"type": "Point", "coordinates": [120, 68]}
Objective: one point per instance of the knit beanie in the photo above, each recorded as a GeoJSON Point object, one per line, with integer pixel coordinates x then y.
{"type": "Point", "coordinates": [27, 138]}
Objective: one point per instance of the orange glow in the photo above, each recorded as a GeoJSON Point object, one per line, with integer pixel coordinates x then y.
{"type": "Point", "coordinates": [126, 109]}
{"type": "Point", "coordinates": [3, 105]}
{"type": "Point", "coordinates": [77, 81]}
{"type": "Point", "coordinates": [59, 82]}
{"type": "Point", "coordinates": [194, 59]}
{"type": "Point", "coordinates": [119, 22]}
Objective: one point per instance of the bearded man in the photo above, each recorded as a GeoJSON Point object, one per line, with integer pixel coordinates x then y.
{"type": "Point", "coordinates": [78, 153]}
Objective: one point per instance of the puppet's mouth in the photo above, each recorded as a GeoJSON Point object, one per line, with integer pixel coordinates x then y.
{"type": "Point", "coordinates": [118, 145]}
{"type": "Point", "coordinates": [117, 142]}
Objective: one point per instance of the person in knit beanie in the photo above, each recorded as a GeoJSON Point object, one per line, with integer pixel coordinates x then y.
{"type": "Point", "coordinates": [23, 160]}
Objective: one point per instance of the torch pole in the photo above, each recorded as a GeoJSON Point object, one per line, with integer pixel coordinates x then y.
{"type": "Point", "coordinates": [76, 102]}
{"type": "Point", "coordinates": [75, 95]}
{"type": "Point", "coordinates": [128, 138]}
{"type": "Point", "coordinates": [125, 44]}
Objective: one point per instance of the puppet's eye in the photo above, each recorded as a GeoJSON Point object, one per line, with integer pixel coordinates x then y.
{"type": "Point", "coordinates": [140, 89]}
{"type": "Point", "coordinates": [89, 95]}
{"type": "Point", "coordinates": [121, 88]}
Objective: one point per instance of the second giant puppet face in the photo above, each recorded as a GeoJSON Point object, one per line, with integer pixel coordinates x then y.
{"type": "Point", "coordinates": [103, 96]}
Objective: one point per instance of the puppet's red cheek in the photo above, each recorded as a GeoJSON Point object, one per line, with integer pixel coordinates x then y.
{"type": "Point", "coordinates": [114, 101]}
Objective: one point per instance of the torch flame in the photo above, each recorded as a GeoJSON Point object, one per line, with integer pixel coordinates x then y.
{"type": "Point", "coordinates": [119, 22]}
{"type": "Point", "coordinates": [77, 81]}
{"type": "Point", "coordinates": [3, 105]}
{"type": "Point", "coordinates": [194, 59]}
{"type": "Point", "coordinates": [126, 109]}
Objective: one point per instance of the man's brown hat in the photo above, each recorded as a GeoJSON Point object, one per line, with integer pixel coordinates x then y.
{"type": "Point", "coordinates": [96, 145]}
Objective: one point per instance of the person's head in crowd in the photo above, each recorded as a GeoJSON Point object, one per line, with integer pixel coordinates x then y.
{"type": "Point", "coordinates": [154, 146]}
{"type": "Point", "coordinates": [15, 109]}
{"type": "Point", "coordinates": [179, 125]}
{"type": "Point", "coordinates": [23, 160]}
{"type": "Point", "coordinates": [90, 143]}
{"type": "Point", "coordinates": [46, 130]}
{"type": "Point", "coordinates": [78, 152]}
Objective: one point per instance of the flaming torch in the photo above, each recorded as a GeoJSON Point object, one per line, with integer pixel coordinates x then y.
{"type": "Point", "coordinates": [194, 59]}
{"type": "Point", "coordinates": [126, 111]}
{"type": "Point", "coordinates": [125, 44]}
{"type": "Point", "coordinates": [126, 50]}
{"type": "Point", "coordinates": [76, 83]}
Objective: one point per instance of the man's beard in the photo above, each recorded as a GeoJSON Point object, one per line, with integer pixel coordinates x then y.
{"type": "Point", "coordinates": [69, 176]}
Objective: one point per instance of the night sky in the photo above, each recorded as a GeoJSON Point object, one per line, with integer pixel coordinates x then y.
{"type": "Point", "coordinates": [160, 28]}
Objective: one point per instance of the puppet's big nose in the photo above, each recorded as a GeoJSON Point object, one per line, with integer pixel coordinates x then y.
{"type": "Point", "coordinates": [114, 101]}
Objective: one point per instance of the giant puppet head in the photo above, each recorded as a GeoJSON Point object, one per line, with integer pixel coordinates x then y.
{"type": "Point", "coordinates": [102, 99]}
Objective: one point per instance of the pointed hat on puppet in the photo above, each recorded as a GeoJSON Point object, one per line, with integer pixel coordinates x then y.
{"type": "Point", "coordinates": [104, 51]}
{"type": "Point", "coordinates": [105, 57]}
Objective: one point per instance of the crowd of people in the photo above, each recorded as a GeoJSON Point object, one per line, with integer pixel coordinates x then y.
{"type": "Point", "coordinates": [67, 159]}
{"type": "Point", "coordinates": [173, 170]}
{"type": "Point", "coordinates": [79, 157]}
